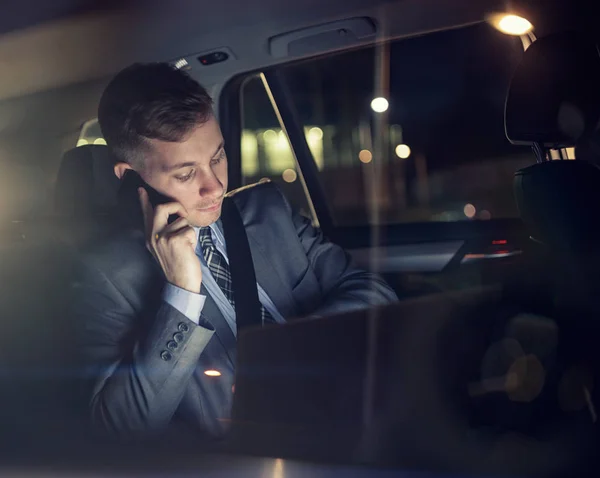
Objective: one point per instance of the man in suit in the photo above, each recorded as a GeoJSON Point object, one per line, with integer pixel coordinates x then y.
{"type": "Point", "coordinates": [156, 309]}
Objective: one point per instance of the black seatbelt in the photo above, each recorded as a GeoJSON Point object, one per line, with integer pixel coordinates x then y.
{"type": "Point", "coordinates": [243, 278]}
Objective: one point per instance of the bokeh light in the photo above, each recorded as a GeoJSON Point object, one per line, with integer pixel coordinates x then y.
{"type": "Point", "coordinates": [365, 156]}
{"type": "Point", "coordinates": [270, 135]}
{"type": "Point", "coordinates": [379, 104]}
{"type": "Point", "coordinates": [289, 175]}
{"type": "Point", "coordinates": [212, 373]}
{"type": "Point", "coordinates": [315, 134]}
{"type": "Point", "coordinates": [485, 215]}
{"type": "Point", "coordinates": [402, 151]}
{"type": "Point", "coordinates": [470, 211]}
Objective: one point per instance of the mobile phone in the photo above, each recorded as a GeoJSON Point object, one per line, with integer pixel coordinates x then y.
{"type": "Point", "coordinates": [128, 193]}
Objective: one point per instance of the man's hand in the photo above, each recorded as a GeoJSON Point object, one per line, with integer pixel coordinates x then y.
{"type": "Point", "coordinates": [172, 245]}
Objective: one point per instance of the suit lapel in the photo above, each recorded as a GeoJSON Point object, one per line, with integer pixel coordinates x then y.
{"type": "Point", "coordinates": [223, 332]}
{"type": "Point", "coordinates": [268, 277]}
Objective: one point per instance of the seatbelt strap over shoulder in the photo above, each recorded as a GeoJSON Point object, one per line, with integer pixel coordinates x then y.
{"type": "Point", "coordinates": [241, 267]}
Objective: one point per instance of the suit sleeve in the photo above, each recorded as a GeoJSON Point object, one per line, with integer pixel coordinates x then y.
{"type": "Point", "coordinates": [138, 380]}
{"type": "Point", "coordinates": [345, 287]}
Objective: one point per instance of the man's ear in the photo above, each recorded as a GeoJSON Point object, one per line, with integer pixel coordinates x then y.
{"type": "Point", "coordinates": [120, 169]}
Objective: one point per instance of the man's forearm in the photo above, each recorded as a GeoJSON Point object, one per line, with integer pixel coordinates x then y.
{"type": "Point", "coordinates": [140, 394]}
{"type": "Point", "coordinates": [358, 290]}
{"type": "Point", "coordinates": [186, 302]}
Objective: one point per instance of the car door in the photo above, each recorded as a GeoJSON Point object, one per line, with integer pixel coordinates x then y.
{"type": "Point", "coordinates": [396, 151]}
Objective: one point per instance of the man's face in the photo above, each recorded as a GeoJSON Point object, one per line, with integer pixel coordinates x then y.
{"type": "Point", "coordinates": [192, 172]}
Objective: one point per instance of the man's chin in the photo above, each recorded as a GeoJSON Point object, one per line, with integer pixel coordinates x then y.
{"type": "Point", "coordinates": [202, 219]}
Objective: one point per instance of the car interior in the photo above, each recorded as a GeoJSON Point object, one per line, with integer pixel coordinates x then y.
{"type": "Point", "coordinates": [453, 156]}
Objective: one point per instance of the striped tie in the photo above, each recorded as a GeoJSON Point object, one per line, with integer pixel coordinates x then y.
{"type": "Point", "coordinates": [220, 269]}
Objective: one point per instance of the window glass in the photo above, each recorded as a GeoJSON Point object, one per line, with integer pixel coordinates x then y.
{"type": "Point", "coordinates": [266, 151]}
{"type": "Point", "coordinates": [410, 131]}
{"type": "Point", "coordinates": [90, 133]}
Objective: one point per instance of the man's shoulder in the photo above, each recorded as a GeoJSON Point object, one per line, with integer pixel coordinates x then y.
{"type": "Point", "coordinates": [115, 250]}
{"type": "Point", "coordinates": [253, 188]}
{"type": "Point", "coordinates": [259, 197]}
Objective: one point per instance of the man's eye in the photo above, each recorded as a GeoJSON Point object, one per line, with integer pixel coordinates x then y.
{"type": "Point", "coordinates": [185, 178]}
{"type": "Point", "coordinates": [219, 158]}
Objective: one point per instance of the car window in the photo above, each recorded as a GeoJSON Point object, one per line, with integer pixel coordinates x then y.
{"type": "Point", "coordinates": [411, 131]}
{"type": "Point", "coordinates": [265, 148]}
{"type": "Point", "coordinates": [90, 133]}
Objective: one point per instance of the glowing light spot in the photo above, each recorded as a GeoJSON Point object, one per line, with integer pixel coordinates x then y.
{"type": "Point", "coordinates": [212, 373]}
{"type": "Point", "coordinates": [315, 134]}
{"type": "Point", "coordinates": [270, 135]}
{"type": "Point", "coordinates": [100, 141]}
{"type": "Point", "coordinates": [182, 63]}
{"type": "Point", "coordinates": [82, 142]}
{"type": "Point", "coordinates": [485, 215]}
{"type": "Point", "coordinates": [282, 141]}
{"type": "Point", "coordinates": [365, 156]}
{"type": "Point", "coordinates": [379, 104]}
{"type": "Point", "coordinates": [402, 151]}
{"type": "Point", "coordinates": [289, 175]}
{"type": "Point", "coordinates": [511, 24]}
{"type": "Point", "coordinates": [470, 211]}
{"type": "Point", "coordinates": [278, 469]}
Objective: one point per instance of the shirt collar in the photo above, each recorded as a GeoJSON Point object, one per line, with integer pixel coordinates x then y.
{"type": "Point", "coordinates": [216, 233]}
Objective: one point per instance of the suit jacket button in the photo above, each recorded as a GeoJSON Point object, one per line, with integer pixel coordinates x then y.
{"type": "Point", "coordinates": [166, 356]}
{"type": "Point", "coordinates": [178, 337]}
{"type": "Point", "coordinates": [172, 345]}
{"type": "Point", "coordinates": [183, 327]}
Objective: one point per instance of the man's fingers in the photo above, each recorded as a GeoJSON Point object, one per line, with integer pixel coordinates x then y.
{"type": "Point", "coordinates": [186, 233]}
{"type": "Point", "coordinates": [162, 213]}
{"type": "Point", "coordinates": [147, 211]}
{"type": "Point", "coordinates": [175, 225]}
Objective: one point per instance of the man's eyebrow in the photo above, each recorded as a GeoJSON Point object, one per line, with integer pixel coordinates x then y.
{"type": "Point", "coordinates": [188, 164]}
{"type": "Point", "coordinates": [174, 167]}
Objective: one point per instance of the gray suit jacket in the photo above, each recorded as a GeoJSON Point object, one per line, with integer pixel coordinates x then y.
{"type": "Point", "coordinates": [124, 324]}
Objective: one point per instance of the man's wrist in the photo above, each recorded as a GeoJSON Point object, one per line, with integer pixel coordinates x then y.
{"type": "Point", "coordinates": [186, 302]}
{"type": "Point", "coordinates": [191, 287]}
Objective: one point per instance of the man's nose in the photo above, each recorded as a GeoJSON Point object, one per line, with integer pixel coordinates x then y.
{"type": "Point", "coordinates": [210, 186]}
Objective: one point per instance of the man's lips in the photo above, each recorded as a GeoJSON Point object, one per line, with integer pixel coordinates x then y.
{"type": "Point", "coordinates": [210, 208]}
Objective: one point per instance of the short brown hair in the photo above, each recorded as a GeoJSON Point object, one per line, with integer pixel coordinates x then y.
{"type": "Point", "coordinates": [150, 101]}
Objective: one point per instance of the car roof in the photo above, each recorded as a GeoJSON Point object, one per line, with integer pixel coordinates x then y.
{"type": "Point", "coordinates": [70, 48]}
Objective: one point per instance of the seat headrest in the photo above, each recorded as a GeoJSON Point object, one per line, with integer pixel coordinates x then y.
{"type": "Point", "coordinates": [558, 203]}
{"type": "Point", "coordinates": [86, 183]}
{"type": "Point", "coordinates": [554, 96]}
